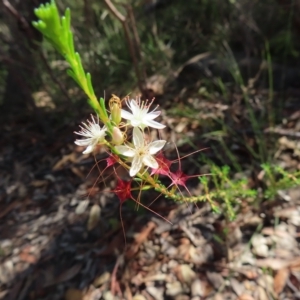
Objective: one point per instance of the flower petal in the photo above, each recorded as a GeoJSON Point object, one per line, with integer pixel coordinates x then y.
{"type": "Point", "coordinates": [150, 161]}
{"type": "Point", "coordinates": [126, 115]}
{"type": "Point", "coordinates": [138, 138]}
{"type": "Point", "coordinates": [154, 124]}
{"type": "Point", "coordinates": [136, 123]}
{"type": "Point", "coordinates": [134, 107]}
{"type": "Point", "coordinates": [83, 142]}
{"type": "Point", "coordinates": [135, 166]}
{"type": "Point", "coordinates": [155, 146]}
{"type": "Point", "coordinates": [89, 149]}
{"type": "Point", "coordinates": [125, 150]}
{"type": "Point", "coordinates": [153, 114]}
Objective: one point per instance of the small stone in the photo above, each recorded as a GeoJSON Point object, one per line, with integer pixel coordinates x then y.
{"type": "Point", "coordinates": [174, 288]}
{"type": "Point", "coordinates": [94, 217]}
{"type": "Point", "coordinates": [156, 293]}
{"type": "Point", "coordinates": [259, 244]}
{"type": "Point", "coordinates": [6, 271]}
{"type": "Point", "coordinates": [82, 206]}
{"type": "Point", "coordinates": [6, 243]}
{"type": "Point", "coordinates": [105, 277]}
{"type": "Point", "coordinates": [197, 288]}
{"type": "Point", "coordinates": [164, 268]}
{"type": "Point", "coordinates": [186, 274]}
{"type": "Point", "coordinates": [202, 254]}
{"type": "Point", "coordinates": [151, 252]}
{"type": "Point", "coordinates": [16, 251]}
{"type": "Point", "coordinates": [215, 279]}
{"type": "Point", "coordinates": [139, 297]}
{"type": "Point", "coordinates": [74, 201]}
{"type": "Point", "coordinates": [109, 296]}
{"type": "Point", "coordinates": [6, 247]}
{"type": "Point", "coordinates": [171, 251]}
{"type": "Point", "coordinates": [31, 236]}
{"type": "Point", "coordinates": [15, 260]}
{"type": "Point", "coordinates": [172, 264]}
{"type": "Point", "coordinates": [182, 297]}
{"type": "Point", "coordinates": [266, 281]}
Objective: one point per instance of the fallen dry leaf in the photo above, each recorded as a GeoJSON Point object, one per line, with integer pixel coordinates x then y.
{"type": "Point", "coordinates": [280, 280]}
{"type": "Point", "coordinates": [268, 231]}
{"type": "Point", "coordinates": [246, 297]}
{"type": "Point", "coordinates": [156, 84]}
{"type": "Point", "coordinates": [295, 264]}
{"type": "Point", "coordinates": [215, 279]}
{"type": "Point", "coordinates": [11, 206]}
{"type": "Point", "coordinates": [116, 243]}
{"type": "Point", "coordinates": [77, 172]}
{"type": "Point", "coordinates": [285, 212]}
{"type": "Point", "coordinates": [286, 143]}
{"type": "Point", "coordinates": [237, 286]}
{"type": "Point", "coordinates": [64, 160]}
{"type": "Point", "coordinates": [139, 297]}
{"type": "Point", "coordinates": [69, 274]}
{"type": "Point", "coordinates": [27, 257]}
{"type": "Point", "coordinates": [100, 280]}
{"type": "Point", "coordinates": [93, 217]}
{"type": "Point", "coordinates": [249, 274]}
{"type": "Point", "coordinates": [273, 263]}
{"type": "Point", "coordinates": [262, 294]}
{"type": "Point", "coordinates": [73, 294]}
{"type": "Point", "coordinates": [39, 183]}
{"type": "Point", "coordinates": [82, 206]}
{"type": "Point", "coordinates": [66, 275]}
{"type": "Point", "coordinates": [218, 296]}
{"type": "Point", "coordinates": [140, 238]}
{"type": "Point", "coordinates": [156, 277]}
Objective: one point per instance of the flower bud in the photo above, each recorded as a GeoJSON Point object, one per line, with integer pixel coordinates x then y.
{"type": "Point", "coordinates": [117, 136]}
{"type": "Point", "coordinates": [115, 109]}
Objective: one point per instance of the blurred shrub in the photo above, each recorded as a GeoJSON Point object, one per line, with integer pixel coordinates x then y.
{"type": "Point", "coordinates": [170, 34]}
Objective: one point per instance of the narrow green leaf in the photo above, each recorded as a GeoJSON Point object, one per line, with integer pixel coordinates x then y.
{"type": "Point", "coordinates": [102, 105]}
{"type": "Point", "coordinates": [94, 106]}
{"type": "Point", "coordinates": [73, 75]}
{"type": "Point", "coordinates": [68, 18]}
{"type": "Point", "coordinates": [89, 83]}
{"type": "Point", "coordinates": [79, 65]}
{"type": "Point", "coordinates": [70, 42]}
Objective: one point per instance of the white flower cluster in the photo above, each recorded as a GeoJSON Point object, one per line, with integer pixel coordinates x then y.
{"type": "Point", "coordinates": [93, 134]}
{"type": "Point", "coordinates": [139, 151]}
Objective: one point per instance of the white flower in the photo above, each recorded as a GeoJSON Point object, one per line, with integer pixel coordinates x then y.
{"type": "Point", "coordinates": [93, 135]}
{"type": "Point", "coordinates": [142, 153]}
{"type": "Point", "coordinates": [140, 117]}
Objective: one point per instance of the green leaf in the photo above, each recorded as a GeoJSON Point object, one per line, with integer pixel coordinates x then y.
{"type": "Point", "coordinates": [89, 83]}
{"type": "Point", "coordinates": [102, 105]}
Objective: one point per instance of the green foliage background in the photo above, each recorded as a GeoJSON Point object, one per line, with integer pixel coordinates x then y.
{"type": "Point", "coordinates": [169, 37]}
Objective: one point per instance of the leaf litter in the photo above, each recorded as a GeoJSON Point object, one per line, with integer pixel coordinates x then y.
{"type": "Point", "coordinates": [61, 237]}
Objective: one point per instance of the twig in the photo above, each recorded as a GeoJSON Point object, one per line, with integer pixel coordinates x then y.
{"type": "Point", "coordinates": [282, 131]}
{"type": "Point", "coordinates": [114, 285]}
{"type": "Point", "coordinates": [136, 38]}
{"type": "Point", "coordinates": [133, 56]}
{"type": "Point", "coordinates": [114, 11]}
{"type": "Point", "coordinates": [19, 17]}
{"type": "Point", "coordinates": [133, 52]}
{"type": "Point", "coordinates": [134, 30]}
